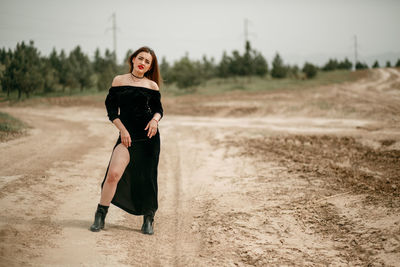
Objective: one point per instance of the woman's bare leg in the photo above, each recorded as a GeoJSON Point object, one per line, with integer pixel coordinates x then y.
{"type": "Point", "coordinates": [119, 160]}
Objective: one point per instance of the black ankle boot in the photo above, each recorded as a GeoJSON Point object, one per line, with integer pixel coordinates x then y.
{"type": "Point", "coordinates": [99, 218]}
{"type": "Point", "coordinates": [147, 227]}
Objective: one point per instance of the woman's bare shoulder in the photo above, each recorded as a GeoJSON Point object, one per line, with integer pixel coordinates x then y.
{"type": "Point", "coordinates": [153, 85]}
{"type": "Point", "coordinates": [119, 80]}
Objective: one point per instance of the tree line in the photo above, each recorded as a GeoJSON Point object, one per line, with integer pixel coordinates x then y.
{"type": "Point", "coordinates": [187, 73]}
{"type": "Point", "coordinates": [25, 71]}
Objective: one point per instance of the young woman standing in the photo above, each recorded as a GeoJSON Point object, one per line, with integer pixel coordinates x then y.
{"type": "Point", "coordinates": [134, 106]}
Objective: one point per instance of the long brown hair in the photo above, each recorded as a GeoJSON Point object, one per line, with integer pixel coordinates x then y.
{"type": "Point", "coordinates": [154, 72]}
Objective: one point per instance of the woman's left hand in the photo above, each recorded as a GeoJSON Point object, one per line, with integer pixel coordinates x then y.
{"type": "Point", "coordinates": [152, 128]}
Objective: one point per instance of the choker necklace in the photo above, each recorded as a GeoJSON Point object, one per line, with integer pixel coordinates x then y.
{"type": "Point", "coordinates": [137, 76]}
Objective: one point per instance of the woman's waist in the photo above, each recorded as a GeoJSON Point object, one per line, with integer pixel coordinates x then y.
{"type": "Point", "coordinates": [135, 119]}
{"type": "Point", "coordinates": [137, 130]}
{"type": "Point", "coordinates": [139, 136]}
{"type": "Point", "coordinates": [136, 125]}
{"type": "Point", "coordinates": [135, 114]}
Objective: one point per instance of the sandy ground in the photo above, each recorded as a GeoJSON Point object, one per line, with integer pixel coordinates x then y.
{"type": "Point", "coordinates": [308, 178]}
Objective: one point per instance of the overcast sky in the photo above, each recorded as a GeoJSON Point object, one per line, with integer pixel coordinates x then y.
{"type": "Point", "coordinates": [299, 30]}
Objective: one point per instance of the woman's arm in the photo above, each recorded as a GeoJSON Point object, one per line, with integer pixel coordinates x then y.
{"type": "Point", "coordinates": [156, 107]}
{"type": "Point", "coordinates": [125, 136]}
{"type": "Point", "coordinates": [157, 116]}
{"type": "Point", "coordinates": [155, 103]}
{"type": "Point", "coordinates": [112, 107]}
{"type": "Point", "coordinates": [152, 125]}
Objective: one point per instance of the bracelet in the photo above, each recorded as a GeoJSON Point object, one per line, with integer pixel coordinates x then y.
{"type": "Point", "coordinates": [155, 120]}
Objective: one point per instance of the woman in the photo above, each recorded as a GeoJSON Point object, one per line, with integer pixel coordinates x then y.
{"type": "Point", "coordinates": [131, 177]}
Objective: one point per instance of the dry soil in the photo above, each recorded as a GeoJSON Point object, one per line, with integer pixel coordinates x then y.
{"type": "Point", "coordinates": [294, 178]}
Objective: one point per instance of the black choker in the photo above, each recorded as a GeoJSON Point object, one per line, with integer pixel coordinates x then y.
{"type": "Point", "coordinates": [137, 76]}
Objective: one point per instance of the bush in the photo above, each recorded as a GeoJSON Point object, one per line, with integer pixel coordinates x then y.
{"type": "Point", "coordinates": [361, 66]}
{"type": "Point", "coordinates": [333, 64]}
{"type": "Point", "coordinates": [309, 70]}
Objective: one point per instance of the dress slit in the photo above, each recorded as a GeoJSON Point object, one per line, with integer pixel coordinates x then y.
{"type": "Point", "coordinates": [137, 189]}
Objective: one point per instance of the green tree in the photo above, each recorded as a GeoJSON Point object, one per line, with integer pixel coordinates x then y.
{"type": "Point", "coordinates": [127, 55]}
{"type": "Point", "coordinates": [247, 64]}
{"type": "Point", "coordinates": [250, 63]}
{"type": "Point", "coordinates": [388, 64]}
{"type": "Point", "coordinates": [66, 75]}
{"type": "Point", "coordinates": [105, 68]}
{"type": "Point", "coordinates": [4, 61]}
{"type": "Point", "coordinates": [260, 65]}
{"type": "Point", "coordinates": [3, 55]}
{"type": "Point", "coordinates": [208, 68]}
{"type": "Point", "coordinates": [223, 66]}
{"type": "Point", "coordinates": [279, 70]}
{"type": "Point", "coordinates": [376, 64]}
{"type": "Point", "coordinates": [309, 70]}
{"type": "Point", "coordinates": [236, 64]}
{"type": "Point", "coordinates": [50, 76]}
{"type": "Point", "coordinates": [361, 66]}
{"type": "Point", "coordinates": [34, 79]}
{"type": "Point", "coordinates": [97, 61]}
{"type": "Point", "coordinates": [105, 77]}
{"type": "Point", "coordinates": [345, 64]}
{"type": "Point", "coordinates": [53, 70]}
{"type": "Point", "coordinates": [165, 70]}
{"type": "Point", "coordinates": [23, 71]}
{"type": "Point", "coordinates": [185, 73]}
{"type": "Point", "coordinates": [81, 67]}
{"type": "Point", "coordinates": [109, 57]}
{"type": "Point", "coordinates": [8, 83]}
{"type": "Point", "coordinates": [398, 63]}
{"type": "Point", "coordinates": [332, 64]}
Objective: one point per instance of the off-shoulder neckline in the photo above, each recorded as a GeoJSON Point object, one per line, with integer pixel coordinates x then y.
{"type": "Point", "coordinates": [136, 87]}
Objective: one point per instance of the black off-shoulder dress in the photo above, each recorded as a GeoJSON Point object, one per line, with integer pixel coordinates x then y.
{"type": "Point", "coordinates": [135, 106]}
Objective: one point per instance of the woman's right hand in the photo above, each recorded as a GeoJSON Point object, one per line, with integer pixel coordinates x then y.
{"type": "Point", "coordinates": [126, 138]}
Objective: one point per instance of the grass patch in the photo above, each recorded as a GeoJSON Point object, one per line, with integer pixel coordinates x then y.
{"type": "Point", "coordinates": [10, 127]}
{"type": "Point", "coordinates": [13, 98]}
{"type": "Point", "coordinates": [76, 98]}
{"type": "Point", "coordinates": [257, 84]}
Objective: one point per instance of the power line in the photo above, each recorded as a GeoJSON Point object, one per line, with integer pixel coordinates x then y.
{"type": "Point", "coordinates": [246, 30]}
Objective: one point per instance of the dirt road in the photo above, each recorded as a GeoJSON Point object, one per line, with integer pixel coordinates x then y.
{"type": "Point", "coordinates": [308, 178]}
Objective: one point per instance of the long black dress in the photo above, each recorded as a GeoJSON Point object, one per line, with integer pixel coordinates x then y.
{"type": "Point", "coordinates": [137, 189]}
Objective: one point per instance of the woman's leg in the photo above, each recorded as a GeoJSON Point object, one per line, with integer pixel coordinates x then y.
{"type": "Point", "coordinates": [119, 160]}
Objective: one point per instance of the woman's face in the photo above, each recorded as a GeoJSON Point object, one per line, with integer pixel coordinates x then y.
{"type": "Point", "coordinates": [142, 62]}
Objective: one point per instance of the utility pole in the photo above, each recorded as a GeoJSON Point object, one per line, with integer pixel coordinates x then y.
{"type": "Point", "coordinates": [114, 29]}
{"type": "Point", "coordinates": [246, 32]}
{"type": "Point", "coordinates": [355, 51]}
